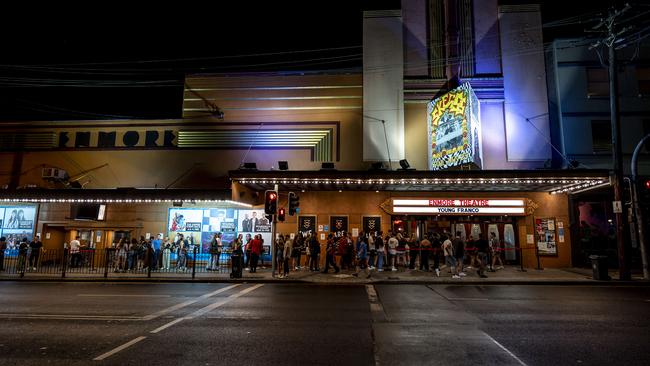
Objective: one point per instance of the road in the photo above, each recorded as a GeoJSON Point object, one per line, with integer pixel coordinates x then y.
{"type": "Point", "coordinates": [292, 324]}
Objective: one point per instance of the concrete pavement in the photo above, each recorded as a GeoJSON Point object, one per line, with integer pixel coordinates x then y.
{"type": "Point", "coordinates": [507, 275]}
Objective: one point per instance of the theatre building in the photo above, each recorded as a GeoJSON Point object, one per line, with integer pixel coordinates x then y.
{"type": "Point", "coordinates": [444, 128]}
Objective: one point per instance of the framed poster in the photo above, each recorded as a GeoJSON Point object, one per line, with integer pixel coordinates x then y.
{"type": "Point", "coordinates": [339, 225]}
{"type": "Point", "coordinates": [307, 224]}
{"type": "Point", "coordinates": [545, 236]}
{"type": "Point", "coordinates": [371, 224]}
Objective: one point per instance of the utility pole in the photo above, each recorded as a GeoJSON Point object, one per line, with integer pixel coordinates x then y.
{"type": "Point", "coordinates": [614, 36]}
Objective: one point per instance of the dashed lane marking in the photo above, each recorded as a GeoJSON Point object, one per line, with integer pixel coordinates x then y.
{"type": "Point", "coordinates": [188, 302]}
{"type": "Point", "coordinates": [118, 349]}
{"type": "Point", "coordinates": [522, 363]}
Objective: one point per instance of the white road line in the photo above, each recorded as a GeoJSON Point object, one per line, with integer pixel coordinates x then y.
{"type": "Point", "coordinates": [188, 302]}
{"type": "Point", "coordinates": [69, 317]}
{"type": "Point", "coordinates": [118, 349]}
{"type": "Point", "coordinates": [522, 363]}
{"type": "Point", "coordinates": [223, 301]}
{"type": "Point", "coordinates": [208, 308]}
{"type": "Point", "coordinates": [167, 325]}
{"type": "Point", "coordinates": [118, 295]}
{"type": "Point", "coordinates": [467, 299]}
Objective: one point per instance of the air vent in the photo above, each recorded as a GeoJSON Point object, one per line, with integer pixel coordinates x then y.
{"type": "Point", "coordinates": [27, 140]}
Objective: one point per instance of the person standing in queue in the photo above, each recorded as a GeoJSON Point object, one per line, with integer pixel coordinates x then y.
{"type": "Point", "coordinates": [288, 249]}
{"type": "Point", "coordinates": [459, 250]}
{"type": "Point", "coordinates": [362, 257]}
{"type": "Point", "coordinates": [330, 252]}
{"type": "Point", "coordinates": [425, 249]}
{"type": "Point", "coordinates": [436, 246]}
{"type": "Point", "coordinates": [450, 258]}
{"type": "Point", "coordinates": [247, 249]}
{"type": "Point", "coordinates": [36, 246]}
{"type": "Point", "coordinates": [482, 247]}
{"type": "Point", "coordinates": [314, 252]}
{"type": "Point", "coordinates": [256, 250]}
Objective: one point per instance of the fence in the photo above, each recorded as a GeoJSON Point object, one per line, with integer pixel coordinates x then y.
{"type": "Point", "coordinates": [110, 263]}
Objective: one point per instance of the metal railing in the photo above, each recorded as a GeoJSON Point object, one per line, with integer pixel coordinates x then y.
{"type": "Point", "coordinates": [111, 263]}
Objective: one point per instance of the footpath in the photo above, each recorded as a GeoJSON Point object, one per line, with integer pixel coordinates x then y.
{"type": "Point", "coordinates": [506, 276]}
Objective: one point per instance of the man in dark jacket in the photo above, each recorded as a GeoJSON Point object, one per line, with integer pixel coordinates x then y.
{"type": "Point", "coordinates": [314, 252]}
{"type": "Point", "coordinates": [482, 246]}
{"type": "Point", "coordinates": [330, 252]}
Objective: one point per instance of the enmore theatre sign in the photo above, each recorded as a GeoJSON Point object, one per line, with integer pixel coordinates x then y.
{"type": "Point", "coordinates": [129, 139]}
{"type": "Point", "coordinates": [455, 206]}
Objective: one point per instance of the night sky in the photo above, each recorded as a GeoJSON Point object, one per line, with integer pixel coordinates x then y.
{"type": "Point", "coordinates": [97, 63]}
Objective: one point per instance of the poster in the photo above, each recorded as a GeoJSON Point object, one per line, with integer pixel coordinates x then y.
{"type": "Point", "coordinates": [17, 223]}
{"type": "Point", "coordinates": [372, 224]}
{"type": "Point", "coordinates": [339, 225]}
{"type": "Point", "coordinates": [454, 130]}
{"type": "Point", "coordinates": [199, 225]}
{"type": "Point", "coordinates": [306, 224]}
{"type": "Point", "coordinates": [545, 232]}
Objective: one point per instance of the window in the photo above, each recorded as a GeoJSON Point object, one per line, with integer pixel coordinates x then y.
{"type": "Point", "coordinates": [643, 76]}
{"type": "Point", "coordinates": [601, 137]}
{"type": "Point", "coordinates": [597, 82]}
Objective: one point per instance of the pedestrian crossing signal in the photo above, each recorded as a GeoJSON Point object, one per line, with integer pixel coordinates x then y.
{"type": "Point", "coordinates": [281, 214]}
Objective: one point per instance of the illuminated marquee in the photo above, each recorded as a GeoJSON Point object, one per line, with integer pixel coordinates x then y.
{"type": "Point", "coordinates": [459, 206]}
{"type": "Point", "coordinates": [454, 130]}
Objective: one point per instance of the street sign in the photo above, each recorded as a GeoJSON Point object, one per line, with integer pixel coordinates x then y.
{"type": "Point", "coordinates": [618, 206]}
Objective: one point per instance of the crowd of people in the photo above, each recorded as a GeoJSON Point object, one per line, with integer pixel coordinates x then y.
{"type": "Point", "coordinates": [392, 252]}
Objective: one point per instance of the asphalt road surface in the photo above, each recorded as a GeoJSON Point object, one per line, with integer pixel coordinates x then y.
{"type": "Point", "coordinates": [289, 324]}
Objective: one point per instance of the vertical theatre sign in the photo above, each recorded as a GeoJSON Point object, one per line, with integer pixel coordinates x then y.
{"type": "Point", "coordinates": [454, 130]}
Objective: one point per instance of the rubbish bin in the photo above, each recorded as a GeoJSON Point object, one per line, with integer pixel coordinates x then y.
{"type": "Point", "coordinates": [599, 265]}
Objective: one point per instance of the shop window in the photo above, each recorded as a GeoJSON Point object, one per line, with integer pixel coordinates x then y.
{"type": "Point", "coordinates": [601, 137]}
{"type": "Point", "coordinates": [597, 82]}
{"type": "Point", "coordinates": [643, 77]}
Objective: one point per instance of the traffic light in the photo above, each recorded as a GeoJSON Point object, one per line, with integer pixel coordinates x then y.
{"type": "Point", "coordinates": [281, 214]}
{"type": "Point", "coordinates": [294, 202]}
{"type": "Point", "coordinates": [647, 184]}
{"type": "Point", "coordinates": [270, 202]}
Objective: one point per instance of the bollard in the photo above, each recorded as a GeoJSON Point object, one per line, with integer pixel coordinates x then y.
{"type": "Point", "coordinates": [106, 253]}
{"type": "Point", "coordinates": [150, 257]}
{"type": "Point", "coordinates": [521, 259]}
{"type": "Point", "coordinates": [194, 264]}
{"type": "Point", "coordinates": [65, 262]}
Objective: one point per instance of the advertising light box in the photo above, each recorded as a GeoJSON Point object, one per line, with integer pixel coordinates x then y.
{"type": "Point", "coordinates": [459, 206]}
{"type": "Point", "coordinates": [454, 129]}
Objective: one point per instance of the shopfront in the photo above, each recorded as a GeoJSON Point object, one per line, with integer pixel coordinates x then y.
{"type": "Point", "coordinates": [528, 211]}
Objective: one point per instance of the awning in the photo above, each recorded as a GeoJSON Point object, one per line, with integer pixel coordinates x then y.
{"type": "Point", "coordinates": [119, 195]}
{"type": "Point", "coordinates": [551, 181]}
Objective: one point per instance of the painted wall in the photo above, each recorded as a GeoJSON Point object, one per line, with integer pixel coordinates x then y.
{"type": "Point", "coordinates": [383, 90]}
{"type": "Point", "coordinates": [524, 81]}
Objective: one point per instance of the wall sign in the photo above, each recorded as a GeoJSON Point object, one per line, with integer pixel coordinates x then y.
{"type": "Point", "coordinates": [307, 224]}
{"type": "Point", "coordinates": [458, 206]}
{"type": "Point", "coordinates": [371, 224]}
{"type": "Point", "coordinates": [339, 225]}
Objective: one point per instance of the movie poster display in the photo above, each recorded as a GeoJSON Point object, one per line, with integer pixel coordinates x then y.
{"type": "Point", "coordinates": [545, 232]}
{"type": "Point", "coordinates": [371, 224]}
{"type": "Point", "coordinates": [17, 223]}
{"type": "Point", "coordinates": [307, 224]}
{"type": "Point", "coordinates": [338, 225]}
{"type": "Point", "coordinates": [454, 129]}
{"type": "Point", "coordinates": [199, 225]}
